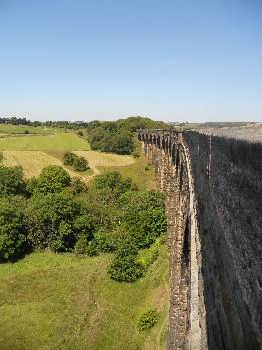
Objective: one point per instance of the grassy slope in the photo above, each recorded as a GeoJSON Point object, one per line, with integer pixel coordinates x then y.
{"type": "Point", "coordinates": [145, 179]}
{"type": "Point", "coordinates": [54, 301]}
{"type": "Point", "coordinates": [60, 141]}
{"type": "Point", "coordinates": [51, 301]}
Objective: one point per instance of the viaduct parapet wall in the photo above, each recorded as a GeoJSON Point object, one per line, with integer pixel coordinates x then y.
{"type": "Point", "coordinates": [213, 188]}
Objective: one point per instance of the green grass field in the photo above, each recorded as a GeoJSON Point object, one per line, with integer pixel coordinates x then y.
{"type": "Point", "coordinates": [59, 141]}
{"type": "Point", "coordinates": [65, 302]}
{"type": "Point", "coordinates": [140, 171]}
{"type": "Point", "coordinates": [60, 301]}
{"type": "Point", "coordinates": [21, 129]}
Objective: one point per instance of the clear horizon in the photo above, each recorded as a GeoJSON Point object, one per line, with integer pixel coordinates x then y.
{"type": "Point", "coordinates": [173, 60]}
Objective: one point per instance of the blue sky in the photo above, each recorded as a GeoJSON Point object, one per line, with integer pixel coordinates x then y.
{"type": "Point", "coordinates": [177, 60]}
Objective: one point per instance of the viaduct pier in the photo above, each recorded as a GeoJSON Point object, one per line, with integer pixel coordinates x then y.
{"type": "Point", "coordinates": [213, 186]}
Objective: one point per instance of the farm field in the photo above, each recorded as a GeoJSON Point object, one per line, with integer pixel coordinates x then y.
{"type": "Point", "coordinates": [21, 129]}
{"type": "Point", "coordinates": [43, 305]}
{"type": "Point", "coordinates": [33, 162]}
{"type": "Point", "coordinates": [59, 141]}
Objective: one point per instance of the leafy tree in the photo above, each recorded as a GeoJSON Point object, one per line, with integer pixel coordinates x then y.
{"type": "Point", "coordinates": [69, 158]}
{"type": "Point", "coordinates": [124, 266]}
{"type": "Point", "coordinates": [80, 164]}
{"type": "Point", "coordinates": [107, 241]}
{"type": "Point", "coordinates": [52, 179]}
{"type": "Point", "coordinates": [146, 226]}
{"type": "Point", "coordinates": [85, 225]}
{"type": "Point", "coordinates": [13, 235]}
{"type": "Point", "coordinates": [11, 181]}
{"type": "Point", "coordinates": [50, 220]}
{"type": "Point", "coordinates": [114, 182]}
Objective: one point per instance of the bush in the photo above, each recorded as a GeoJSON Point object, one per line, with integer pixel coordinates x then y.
{"type": "Point", "coordinates": [80, 164]}
{"type": "Point", "coordinates": [85, 225]}
{"type": "Point", "coordinates": [147, 320]}
{"type": "Point", "coordinates": [11, 181]}
{"type": "Point", "coordinates": [149, 255]}
{"type": "Point", "coordinates": [13, 235]}
{"type": "Point", "coordinates": [69, 158]}
{"type": "Point", "coordinates": [52, 179]}
{"type": "Point", "coordinates": [106, 241]}
{"type": "Point", "coordinates": [85, 247]}
{"type": "Point", "coordinates": [148, 227]}
{"type": "Point", "coordinates": [77, 186]}
{"type": "Point", "coordinates": [50, 221]}
{"type": "Point", "coordinates": [124, 266]}
{"type": "Point", "coordinates": [114, 183]}
{"type": "Point", "coordinates": [1, 157]}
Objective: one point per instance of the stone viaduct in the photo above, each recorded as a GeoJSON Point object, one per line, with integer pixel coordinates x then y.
{"type": "Point", "coordinates": [213, 188]}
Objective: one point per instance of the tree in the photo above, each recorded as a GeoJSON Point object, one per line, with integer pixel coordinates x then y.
{"type": "Point", "coordinates": [69, 158]}
{"type": "Point", "coordinates": [50, 220]}
{"type": "Point", "coordinates": [80, 164]}
{"type": "Point", "coordinates": [114, 182]}
{"type": "Point", "coordinates": [13, 235]}
{"type": "Point", "coordinates": [124, 266]}
{"type": "Point", "coordinates": [52, 179]}
{"type": "Point", "coordinates": [11, 181]}
{"type": "Point", "coordinates": [85, 225]}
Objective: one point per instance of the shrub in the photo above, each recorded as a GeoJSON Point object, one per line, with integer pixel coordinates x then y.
{"type": "Point", "coordinates": [80, 164]}
{"type": "Point", "coordinates": [52, 179]}
{"type": "Point", "coordinates": [147, 320]}
{"type": "Point", "coordinates": [69, 158]}
{"type": "Point", "coordinates": [149, 255]}
{"type": "Point", "coordinates": [77, 186]}
{"type": "Point", "coordinates": [124, 266]}
{"type": "Point", "coordinates": [106, 241]}
{"type": "Point", "coordinates": [85, 225]}
{"type": "Point", "coordinates": [26, 132]}
{"type": "Point", "coordinates": [80, 133]}
{"type": "Point", "coordinates": [1, 157]}
{"type": "Point", "coordinates": [145, 226]}
{"type": "Point", "coordinates": [11, 181]}
{"type": "Point", "coordinates": [114, 183]}
{"type": "Point", "coordinates": [85, 247]}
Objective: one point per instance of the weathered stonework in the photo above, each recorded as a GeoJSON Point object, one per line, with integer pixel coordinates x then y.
{"type": "Point", "coordinates": [213, 207]}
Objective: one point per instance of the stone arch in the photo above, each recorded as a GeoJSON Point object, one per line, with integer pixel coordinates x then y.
{"type": "Point", "coordinates": [186, 243]}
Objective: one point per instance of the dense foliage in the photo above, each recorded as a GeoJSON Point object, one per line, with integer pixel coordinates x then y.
{"type": "Point", "coordinates": [78, 163]}
{"type": "Point", "coordinates": [147, 320]}
{"type": "Point", "coordinates": [63, 215]}
{"type": "Point", "coordinates": [117, 137]}
{"type": "Point", "coordinates": [13, 238]}
{"type": "Point", "coordinates": [11, 181]}
{"type": "Point", "coordinates": [52, 179]}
